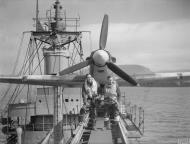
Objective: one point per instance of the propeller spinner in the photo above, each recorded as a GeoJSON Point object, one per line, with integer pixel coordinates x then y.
{"type": "Point", "coordinates": [101, 57]}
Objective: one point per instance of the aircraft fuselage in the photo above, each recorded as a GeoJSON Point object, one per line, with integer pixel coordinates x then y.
{"type": "Point", "coordinates": [100, 73]}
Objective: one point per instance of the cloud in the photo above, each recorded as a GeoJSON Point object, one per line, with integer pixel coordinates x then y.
{"type": "Point", "coordinates": [4, 3]}
{"type": "Point", "coordinates": [157, 45]}
{"type": "Point", "coordinates": [134, 11]}
{"type": "Point", "coordinates": [148, 32]}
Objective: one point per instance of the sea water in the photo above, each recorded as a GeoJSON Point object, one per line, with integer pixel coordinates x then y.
{"type": "Point", "coordinates": [167, 113]}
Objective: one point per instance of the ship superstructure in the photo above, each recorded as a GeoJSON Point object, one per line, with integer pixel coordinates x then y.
{"type": "Point", "coordinates": [54, 45]}
{"type": "Point", "coordinates": [53, 116]}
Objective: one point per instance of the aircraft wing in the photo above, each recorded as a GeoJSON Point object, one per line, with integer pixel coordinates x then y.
{"type": "Point", "coordinates": [181, 79]}
{"type": "Point", "coordinates": [174, 79]}
{"type": "Point", "coordinates": [48, 80]}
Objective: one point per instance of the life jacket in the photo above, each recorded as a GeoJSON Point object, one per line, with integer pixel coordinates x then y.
{"type": "Point", "coordinates": [110, 93]}
{"type": "Point", "coordinates": [91, 89]}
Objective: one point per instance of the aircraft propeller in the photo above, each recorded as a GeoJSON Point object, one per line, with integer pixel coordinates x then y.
{"type": "Point", "coordinates": [101, 57]}
{"type": "Point", "coordinates": [104, 33]}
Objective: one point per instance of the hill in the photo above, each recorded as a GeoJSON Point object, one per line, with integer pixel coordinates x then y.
{"type": "Point", "coordinates": [135, 69]}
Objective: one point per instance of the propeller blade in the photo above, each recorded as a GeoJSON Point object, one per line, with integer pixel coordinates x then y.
{"type": "Point", "coordinates": [75, 67]}
{"type": "Point", "coordinates": [104, 33]}
{"type": "Point", "coordinates": [121, 73]}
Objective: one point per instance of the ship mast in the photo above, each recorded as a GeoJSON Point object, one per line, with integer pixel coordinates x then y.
{"type": "Point", "coordinates": [37, 14]}
{"type": "Point", "coordinates": [60, 48]}
{"type": "Point", "coordinates": [58, 18]}
{"type": "Point", "coordinates": [57, 114]}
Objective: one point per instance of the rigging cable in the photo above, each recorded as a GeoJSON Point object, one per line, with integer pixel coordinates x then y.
{"type": "Point", "coordinates": [33, 54]}
{"type": "Point", "coordinates": [23, 69]}
{"type": "Point", "coordinates": [9, 101]}
{"type": "Point", "coordinates": [75, 55]}
{"type": "Point", "coordinates": [71, 58]}
{"type": "Point", "coordinates": [78, 50]}
{"type": "Point", "coordinates": [17, 86]}
{"type": "Point", "coordinates": [18, 54]}
{"type": "Point", "coordinates": [18, 92]}
{"type": "Point", "coordinates": [15, 66]}
{"type": "Point", "coordinates": [25, 60]}
{"type": "Point", "coordinates": [43, 85]}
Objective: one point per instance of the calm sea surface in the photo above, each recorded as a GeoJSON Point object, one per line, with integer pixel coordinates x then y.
{"type": "Point", "coordinates": [167, 113]}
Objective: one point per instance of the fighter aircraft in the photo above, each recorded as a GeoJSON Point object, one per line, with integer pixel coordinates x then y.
{"type": "Point", "coordinates": [101, 62]}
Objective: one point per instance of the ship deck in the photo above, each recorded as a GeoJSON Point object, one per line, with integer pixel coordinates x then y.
{"type": "Point", "coordinates": [99, 135]}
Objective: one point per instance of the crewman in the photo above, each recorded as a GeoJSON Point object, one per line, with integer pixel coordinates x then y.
{"type": "Point", "coordinates": [19, 134]}
{"type": "Point", "coordinates": [89, 94]}
{"type": "Point", "coordinates": [112, 97]}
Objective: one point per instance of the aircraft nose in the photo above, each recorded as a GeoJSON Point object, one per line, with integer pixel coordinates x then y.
{"type": "Point", "coordinates": [100, 57]}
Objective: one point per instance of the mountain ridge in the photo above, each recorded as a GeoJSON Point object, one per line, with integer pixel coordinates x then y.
{"type": "Point", "coordinates": [135, 69]}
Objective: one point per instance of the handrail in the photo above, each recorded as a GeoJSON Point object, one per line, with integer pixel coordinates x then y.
{"type": "Point", "coordinates": [123, 130]}
{"type": "Point", "coordinates": [79, 130]}
{"type": "Point", "coordinates": [46, 139]}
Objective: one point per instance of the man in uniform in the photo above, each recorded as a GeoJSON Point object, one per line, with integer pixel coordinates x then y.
{"type": "Point", "coordinates": [89, 93]}
{"type": "Point", "coordinates": [111, 101]}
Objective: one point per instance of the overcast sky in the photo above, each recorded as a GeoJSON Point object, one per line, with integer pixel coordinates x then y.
{"type": "Point", "coordinates": [153, 33]}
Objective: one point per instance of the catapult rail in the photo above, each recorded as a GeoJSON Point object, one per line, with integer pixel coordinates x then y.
{"type": "Point", "coordinates": [79, 131]}
{"type": "Point", "coordinates": [123, 131]}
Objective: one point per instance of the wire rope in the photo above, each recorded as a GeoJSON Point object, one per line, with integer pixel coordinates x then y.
{"type": "Point", "coordinates": [43, 85]}
{"type": "Point", "coordinates": [15, 66]}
